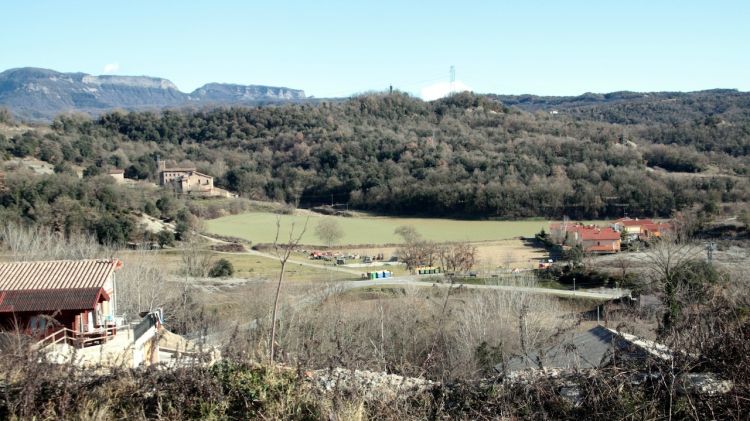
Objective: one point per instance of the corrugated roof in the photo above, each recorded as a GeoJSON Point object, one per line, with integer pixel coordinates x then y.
{"type": "Point", "coordinates": [59, 274]}
{"type": "Point", "coordinates": [50, 300]}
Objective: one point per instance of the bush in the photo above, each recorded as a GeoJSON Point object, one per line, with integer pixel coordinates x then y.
{"type": "Point", "coordinates": [165, 238]}
{"type": "Point", "coordinates": [221, 268]}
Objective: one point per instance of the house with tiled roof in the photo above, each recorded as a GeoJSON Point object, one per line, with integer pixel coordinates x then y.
{"type": "Point", "coordinates": [39, 298]}
{"type": "Point", "coordinates": [594, 239]}
{"type": "Point", "coordinates": [640, 229]}
{"type": "Point", "coordinates": [591, 238]}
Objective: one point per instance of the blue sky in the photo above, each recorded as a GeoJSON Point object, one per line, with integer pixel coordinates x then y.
{"type": "Point", "coordinates": [338, 48]}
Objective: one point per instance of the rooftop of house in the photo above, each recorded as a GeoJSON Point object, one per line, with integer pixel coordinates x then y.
{"type": "Point", "coordinates": [597, 233]}
{"type": "Point", "coordinates": [628, 222]}
{"type": "Point", "coordinates": [56, 275]}
{"type": "Point", "coordinates": [50, 299]}
{"type": "Point", "coordinates": [570, 226]}
{"type": "Point", "coordinates": [116, 171]}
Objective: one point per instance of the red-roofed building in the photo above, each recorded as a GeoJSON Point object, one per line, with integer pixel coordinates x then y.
{"type": "Point", "coordinates": [40, 298]}
{"type": "Point", "coordinates": [643, 229]}
{"type": "Point", "coordinates": [595, 239]}
{"type": "Point", "coordinates": [592, 238]}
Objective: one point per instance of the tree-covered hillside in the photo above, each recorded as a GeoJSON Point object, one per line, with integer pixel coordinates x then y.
{"type": "Point", "coordinates": [466, 155]}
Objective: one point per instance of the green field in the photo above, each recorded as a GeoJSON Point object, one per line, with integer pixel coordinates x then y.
{"type": "Point", "coordinates": [260, 227]}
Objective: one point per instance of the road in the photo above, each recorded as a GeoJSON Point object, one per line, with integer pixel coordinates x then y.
{"type": "Point", "coordinates": [417, 281]}
{"type": "Point", "coordinates": [604, 294]}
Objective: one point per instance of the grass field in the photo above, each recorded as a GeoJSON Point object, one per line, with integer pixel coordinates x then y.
{"type": "Point", "coordinates": [260, 227]}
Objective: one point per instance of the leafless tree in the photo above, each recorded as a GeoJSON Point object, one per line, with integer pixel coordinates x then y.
{"type": "Point", "coordinates": [623, 263]}
{"type": "Point", "coordinates": [416, 251]}
{"type": "Point", "coordinates": [196, 261]}
{"type": "Point", "coordinates": [283, 252]}
{"type": "Point", "coordinates": [663, 259]}
{"type": "Point", "coordinates": [457, 256]}
{"type": "Point", "coordinates": [40, 243]}
{"type": "Point", "coordinates": [329, 231]}
{"type": "Point", "coordinates": [141, 286]}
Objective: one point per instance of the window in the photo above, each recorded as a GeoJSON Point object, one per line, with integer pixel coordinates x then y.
{"type": "Point", "coordinates": [37, 324]}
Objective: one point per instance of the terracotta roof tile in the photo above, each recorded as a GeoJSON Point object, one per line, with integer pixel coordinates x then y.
{"type": "Point", "coordinates": [598, 234]}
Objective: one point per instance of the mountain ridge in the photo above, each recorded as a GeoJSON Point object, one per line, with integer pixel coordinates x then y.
{"type": "Point", "coordinates": [38, 94]}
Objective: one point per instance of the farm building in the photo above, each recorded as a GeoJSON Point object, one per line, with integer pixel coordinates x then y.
{"type": "Point", "coordinates": [592, 238]}
{"type": "Point", "coordinates": [640, 229]}
{"type": "Point", "coordinates": [117, 174]}
{"type": "Point", "coordinates": [187, 180]}
{"type": "Point", "coordinates": [40, 298]}
{"type": "Point", "coordinates": [598, 240]}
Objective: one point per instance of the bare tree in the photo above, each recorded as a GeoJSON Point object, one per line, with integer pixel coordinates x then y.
{"type": "Point", "coordinates": [623, 262]}
{"type": "Point", "coordinates": [415, 251]}
{"type": "Point", "coordinates": [41, 243]}
{"type": "Point", "coordinates": [663, 260]}
{"type": "Point", "coordinates": [196, 261]}
{"type": "Point", "coordinates": [141, 286]}
{"type": "Point", "coordinates": [329, 231]}
{"type": "Point", "coordinates": [458, 256]}
{"type": "Point", "coordinates": [283, 252]}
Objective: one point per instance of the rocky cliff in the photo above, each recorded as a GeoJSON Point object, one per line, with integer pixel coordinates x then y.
{"type": "Point", "coordinates": [40, 94]}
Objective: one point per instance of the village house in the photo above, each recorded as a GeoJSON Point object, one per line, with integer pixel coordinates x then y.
{"type": "Point", "coordinates": [595, 239]}
{"type": "Point", "coordinates": [44, 297]}
{"type": "Point", "coordinates": [564, 233]}
{"type": "Point", "coordinates": [591, 238]}
{"type": "Point", "coordinates": [185, 180]}
{"type": "Point", "coordinates": [640, 229]}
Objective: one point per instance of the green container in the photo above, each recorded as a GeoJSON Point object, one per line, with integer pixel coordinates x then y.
{"type": "Point", "coordinates": [371, 274]}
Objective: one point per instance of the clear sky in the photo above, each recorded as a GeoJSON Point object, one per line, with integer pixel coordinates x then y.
{"type": "Point", "coordinates": [337, 48]}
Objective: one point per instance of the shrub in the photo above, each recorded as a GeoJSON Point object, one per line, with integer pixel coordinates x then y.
{"type": "Point", "coordinates": [221, 268]}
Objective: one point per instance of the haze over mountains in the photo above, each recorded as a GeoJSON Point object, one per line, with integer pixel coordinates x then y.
{"type": "Point", "coordinates": [34, 94]}
{"type": "Point", "coordinates": [40, 94]}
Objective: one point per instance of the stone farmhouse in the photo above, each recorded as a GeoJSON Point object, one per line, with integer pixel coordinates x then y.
{"type": "Point", "coordinates": [188, 180]}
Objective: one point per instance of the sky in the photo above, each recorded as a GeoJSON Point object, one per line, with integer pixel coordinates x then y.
{"type": "Point", "coordinates": [341, 48]}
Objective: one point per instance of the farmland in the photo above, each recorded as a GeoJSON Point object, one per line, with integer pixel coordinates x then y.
{"type": "Point", "coordinates": [260, 227]}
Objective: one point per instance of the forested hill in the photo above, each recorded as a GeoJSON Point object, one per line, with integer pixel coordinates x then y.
{"type": "Point", "coordinates": [640, 107]}
{"type": "Point", "coordinates": [466, 155]}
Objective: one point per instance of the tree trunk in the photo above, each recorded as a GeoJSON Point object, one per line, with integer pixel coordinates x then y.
{"type": "Point", "coordinates": [275, 311]}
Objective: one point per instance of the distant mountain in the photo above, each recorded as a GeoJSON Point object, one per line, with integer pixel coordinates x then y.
{"type": "Point", "coordinates": [40, 94]}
